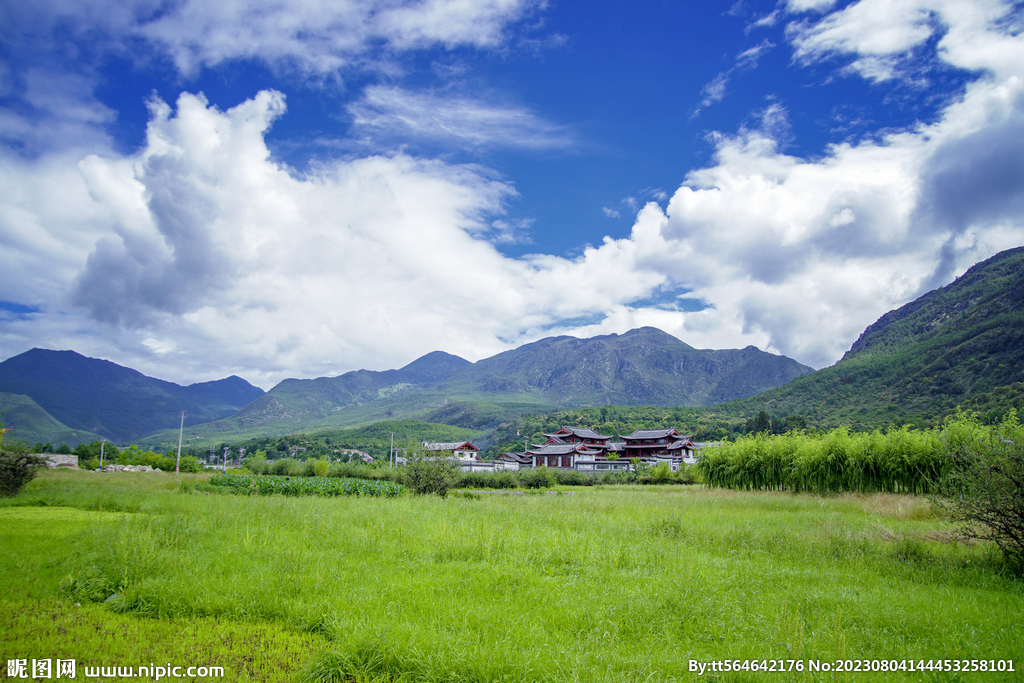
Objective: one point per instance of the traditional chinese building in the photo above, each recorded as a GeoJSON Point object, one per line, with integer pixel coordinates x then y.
{"type": "Point", "coordinates": [652, 445]}
{"type": "Point", "coordinates": [466, 453]}
{"type": "Point", "coordinates": [591, 439]}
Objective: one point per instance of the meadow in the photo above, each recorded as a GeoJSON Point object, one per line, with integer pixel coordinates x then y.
{"type": "Point", "coordinates": [613, 583]}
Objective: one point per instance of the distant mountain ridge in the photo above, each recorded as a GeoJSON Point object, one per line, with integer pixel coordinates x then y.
{"type": "Point", "coordinates": [305, 399]}
{"type": "Point", "coordinates": [960, 341]}
{"type": "Point", "coordinates": [121, 404]}
{"type": "Point", "coordinates": [642, 366]}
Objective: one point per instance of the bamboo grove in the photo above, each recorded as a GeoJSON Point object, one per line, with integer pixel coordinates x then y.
{"type": "Point", "coordinates": [895, 461]}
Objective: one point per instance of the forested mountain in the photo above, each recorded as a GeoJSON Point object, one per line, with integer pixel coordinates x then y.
{"type": "Point", "coordinates": [952, 346]}
{"type": "Point", "coordinates": [30, 423]}
{"type": "Point", "coordinates": [118, 403]}
{"type": "Point", "coordinates": [641, 367]}
{"type": "Point", "coordinates": [303, 400]}
{"type": "Point", "coordinates": [962, 344]}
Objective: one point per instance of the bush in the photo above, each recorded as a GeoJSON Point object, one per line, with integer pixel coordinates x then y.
{"type": "Point", "coordinates": [573, 478]}
{"type": "Point", "coordinates": [357, 470]}
{"type": "Point", "coordinates": [618, 477]}
{"type": "Point", "coordinates": [501, 479]}
{"type": "Point", "coordinates": [286, 467]}
{"type": "Point", "coordinates": [984, 484]}
{"type": "Point", "coordinates": [16, 470]}
{"type": "Point", "coordinates": [539, 478]}
{"type": "Point", "coordinates": [430, 473]}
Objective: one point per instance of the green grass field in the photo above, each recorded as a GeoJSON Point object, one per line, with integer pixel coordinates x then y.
{"type": "Point", "coordinates": [596, 584]}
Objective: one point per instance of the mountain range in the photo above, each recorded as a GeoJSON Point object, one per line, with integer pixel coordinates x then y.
{"type": "Point", "coordinates": [98, 398]}
{"type": "Point", "coordinates": [641, 366]}
{"type": "Point", "coordinates": [958, 344]}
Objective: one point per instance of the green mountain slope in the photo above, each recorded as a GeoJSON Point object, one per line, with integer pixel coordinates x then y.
{"type": "Point", "coordinates": [307, 401]}
{"type": "Point", "coordinates": [641, 367]}
{"type": "Point", "coordinates": [30, 423]}
{"type": "Point", "coordinates": [119, 403]}
{"type": "Point", "coordinates": [917, 362]}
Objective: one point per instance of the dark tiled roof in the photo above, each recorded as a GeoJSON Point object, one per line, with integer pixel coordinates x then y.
{"type": "Point", "coordinates": [562, 449]}
{"type": "Point", "coordinates": [449, 446]}
{"type": "Point", "coordinates": [515, 457]}
{"type": "Point", "coordinates": [583, 433]}
{"type": "Point", "coordinates": [652, 433]}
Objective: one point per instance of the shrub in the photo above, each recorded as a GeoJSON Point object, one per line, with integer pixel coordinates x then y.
{"type": "Point", "coordinates": [16, 470]}
{"type": "Point", "coordinates": [539, 478]}
{"type": "Point", "coordinates": [619, 477]}
{"type": "Point", "coordinates": [573, 478]}
{"type": "Point", "coordinates": [984, 483]}
{"type": "Point", "coordinates": [190, 465]}
{"type": "Point", "coordinates": [688, 475]}
{"type": "Point", "coordinates": [430, 473]}
{"type": "Point", "coordinates": [285, 467]}
{"type": "Point", "coordinates": [659, 474]}
{"type": "Point", "coordinates": [358, 470]}
{"type": "Point", "coordinates": [503, 479]}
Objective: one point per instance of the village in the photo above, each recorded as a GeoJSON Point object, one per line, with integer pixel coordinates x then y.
{"type": "Point", "coordinates": [583, 450]}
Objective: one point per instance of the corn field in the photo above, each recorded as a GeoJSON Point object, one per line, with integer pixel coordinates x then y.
{"type": "Point", "coordinates": [307, 486]}
{"type": "Point", "coordinates": [896, 461]}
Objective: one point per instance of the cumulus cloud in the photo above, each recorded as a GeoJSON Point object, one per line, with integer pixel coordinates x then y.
{"type": "Point", "coordinates": [799, 255]}
{"type": "Point", "coordinates": [203, 250]}
{"type": "Point", "coordinates": [214, 252]}
{"type": "Point", "coordinates": [804, 253]}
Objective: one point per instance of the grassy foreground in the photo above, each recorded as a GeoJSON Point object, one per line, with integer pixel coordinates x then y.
{"type": "Point", "coordinates": [597, 584]}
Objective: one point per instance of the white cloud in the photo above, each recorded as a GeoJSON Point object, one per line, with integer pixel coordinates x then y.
{"type": "Point", "coordinates": [202, 253]}
{"type": "Point", "coordinates": [714, 91]}
{"type": "Point", "coordinates": [388, 114]}
{"type": "Point", "coordinates": [809, 5]}
{"type": "Point", "coordinates": [315, 37]}
{"type": "Point", "coordinates": [201, 250]}
{"type": "Point", "coordinates": [766, 21]}
{"type": "Point", "coordinates": [798, 255]}
{"type": "Point", "coordinates": [748, 58]}
{"type": "Point", "coordinates": [882, 34]}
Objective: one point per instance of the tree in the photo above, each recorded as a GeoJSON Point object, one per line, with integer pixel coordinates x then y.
{"type": "Point", "coordinates": [429, 472]}
{"type": "Point", "coordinates": [17, 466]}
{"type": "Point", "coordinates": [794, 422]}
{"type": "Point", "coordinates": [984, 485]}
{"type": "Point", "coordinates": [762, 423]}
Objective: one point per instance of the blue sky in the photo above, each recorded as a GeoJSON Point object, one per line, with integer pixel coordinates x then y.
{"type": "Point", "coordinates": [301, 189]}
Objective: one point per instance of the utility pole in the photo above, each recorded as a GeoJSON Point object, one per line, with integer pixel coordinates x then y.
{"type": "Point", "coordinates": [391, 453]}
{"type": "Point", "coordinates": [103, 442]}
{"type": "Point", "coordinates": [181, 428]}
